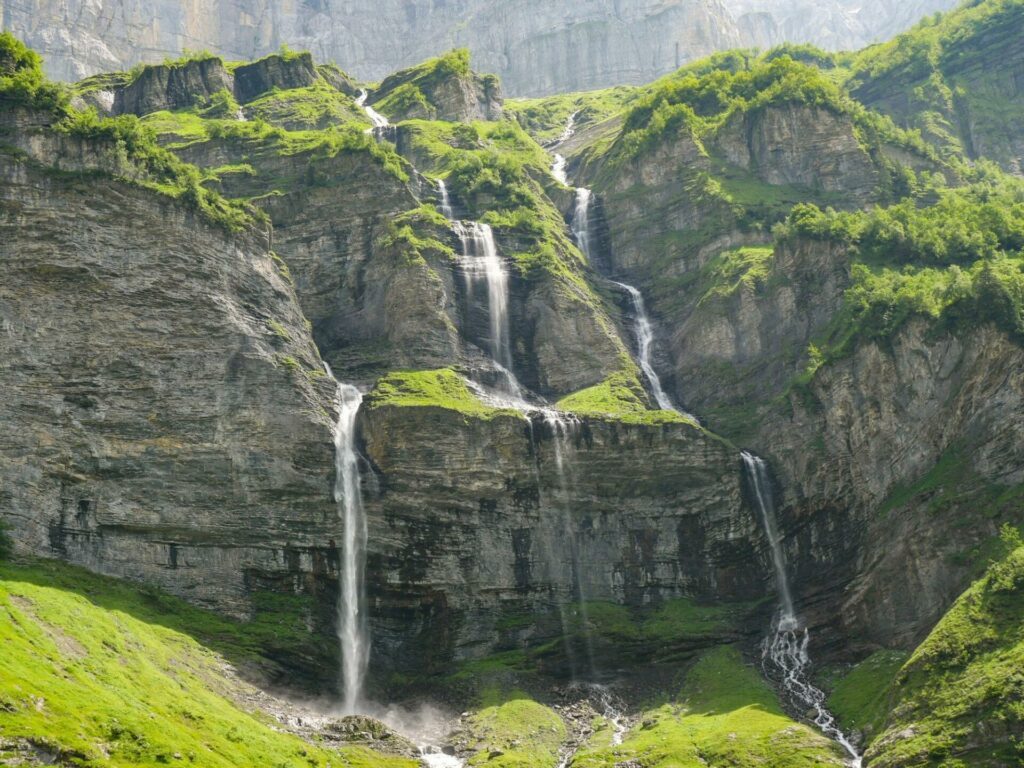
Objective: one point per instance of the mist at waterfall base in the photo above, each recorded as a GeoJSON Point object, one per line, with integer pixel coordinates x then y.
{"type": "Point", "coordinates": [784, 652]}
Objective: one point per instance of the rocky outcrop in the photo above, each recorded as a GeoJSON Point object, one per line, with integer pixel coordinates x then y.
{"type": "Point", "coordinates": [802, 145]}
{"type": "Point", "coordinates": [912, 448]}
{"type": "Point", "coordinates": [753, 333]}
{"type": "Point", "coordinates": [441, 89]}
{"type": "Point", "coordinates": [172, 86]}
{"type": "Point", "coordinates": [284, 71]}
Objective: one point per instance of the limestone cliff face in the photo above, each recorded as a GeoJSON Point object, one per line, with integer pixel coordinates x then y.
{"type": "Point", "coordinates": [536, 47]}
{"type": "Point", "coordinates": [836, 25]}
{"type": "Point", "coordinates": [893, 464]}
{"type": "Point", "coordinates": [803, 145]}
{"type": "Point", "coordinates": [476, 524]}
{"type": "Point", "coordinates": [756, 336]}
{"type": "Point", "coordinates": [166, 421]}
{"type": "Point", "coordinates": [911, 449]}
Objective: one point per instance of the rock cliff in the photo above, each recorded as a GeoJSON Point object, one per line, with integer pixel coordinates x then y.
{"type": "Point", "coordinates": [534, 46]}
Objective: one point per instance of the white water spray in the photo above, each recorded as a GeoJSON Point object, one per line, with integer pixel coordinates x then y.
{"type": "Point", "coordinates": [353, 633]}
{"type": "Point", "coordinates": [784, 651]}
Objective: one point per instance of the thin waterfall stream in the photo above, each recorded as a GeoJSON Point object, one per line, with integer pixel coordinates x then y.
{"type": "Point", "coordinates": [353, 632]}
{"type": "Point", "coordinates": [643, 330]}
{"type": "Point", "coordinates": [784, 653]}
{"type": "Point", "coordinates": [563, 431]}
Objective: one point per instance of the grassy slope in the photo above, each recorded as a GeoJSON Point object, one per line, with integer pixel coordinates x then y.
{"type": "Point", "coordinates": [725, 715]}
{"type": "Point", "coordinates": [958, 700]}
{"type": "Point", "coordinates": [109, 675]}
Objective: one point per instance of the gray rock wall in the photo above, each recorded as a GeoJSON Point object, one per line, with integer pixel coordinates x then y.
{"type": "Point", "coordinates": [536, 46]}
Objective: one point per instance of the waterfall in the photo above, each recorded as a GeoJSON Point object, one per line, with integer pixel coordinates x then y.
{"type": "Point", "coordinates": [558, 169]}
{"type": "Point", "coordinates": [353, 633]}
{"type": "Point", "coordinates": [380, 123]}
{"type": "Point", "coordinates": [644, 332]}
{"type": "Point", "coordinates": [563, 429]}
{"type": "Point", "coordinates": [581, 220]}
{"type": "Point", "coordinates": [784, 651]}
{"type": "Point", "coordinates": [480, 263]}
{"type": "Point", "coordinates": [446, 201]}
{"type": "Point", "coordinates": [558, 166]}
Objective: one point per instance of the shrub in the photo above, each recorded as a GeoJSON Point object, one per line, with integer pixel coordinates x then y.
{"type": "Point", "coordinates": [22, 80]}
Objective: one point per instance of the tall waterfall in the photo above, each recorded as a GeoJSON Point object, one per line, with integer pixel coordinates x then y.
{"type": "Point", "coordinates": [353, 632]}
{"type": "Point", "coordinates": [481, 264]}
{"type": "Point", "coordinates": [784, 651]}
{"type": "Point", "coordinates": [563, 430]}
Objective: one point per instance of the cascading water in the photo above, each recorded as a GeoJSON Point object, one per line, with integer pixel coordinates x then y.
{"type": "Point", "coordinates": [642, 328]}
{"type": "Point", "coordinates": [581, 220]}
{"type": "Point", "coordinates": [353, 633]}
{"type": "Point", "coordinates": [784, 651]}
{"type": "Point", "coordinates": [644, 333]}
{"type": "Point", "coordinates": [380, 123]}
{"type": "Point", "coordinates": [558, 166]}
{"type": "Point", "coordinates": [446, 201]}
{"type": "Point", "coordinates": [480, 263]}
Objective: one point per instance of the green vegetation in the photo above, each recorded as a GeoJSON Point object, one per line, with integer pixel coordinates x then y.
{"type": "Point", "coordinates": [104, 674]}
{"type": "Point", "coordinates": [859, 699]}
{"type": "Point", "coordinates": [957, 701]}
{"type": "Point", "coordinates": [957, 262]}
{"type": "Point", "coordinates": [731, 270]}
{"type": "Point", "coordinates": [443, 388]}
{"type": "Point", "coordinates": [415, 235]}
{"type": "Point", "coordinates": [188, 56]}
{"type": "Point", "coordinates": [699, 99]}
{"type": "Point", "coordinates": [410, 93]}
{"type": "Point", "coordinates": [672, 622]}
{"type": "Point", "coordinates": [22, 81]}
{"type": "Point", "coordinates": [135, 144]}
{"type": "Point", "coordinates": [546, 118]}
{"type": "Point", "coordinates": [725, 715]}
{"type": "Point", "coordinates": [519, 733]}
{"type": "Point", "coordinates": [945, 74]}
{"type": "Point", "coordinates": [620, 397]}
{"type": "Point", "coordinates": [314, 107]}
{"type": "Point", "coordinates": [139, 158]}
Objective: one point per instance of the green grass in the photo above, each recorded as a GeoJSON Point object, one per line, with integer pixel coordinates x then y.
{"type": "Point", "coordinates": [619, 397]}
{"type": "Point", "coordinates": [314, 107]}
{"type": "Point", "coordinates": [519, 733]}
{"type": "Point", "coordinates": [442, 388]}
{"type": "Point", "coordinates": [730, 270]}
{"type": "Point", "coordinates": [860, 698]}
{"type": "Point", "coordinates": [957, 701]}
{"type": "Point", "coordinates": [109, 675]}
{"type": "Point", "coordinates": [546, 118]}
{"type": "Point", "coordinates": [725, 715]}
